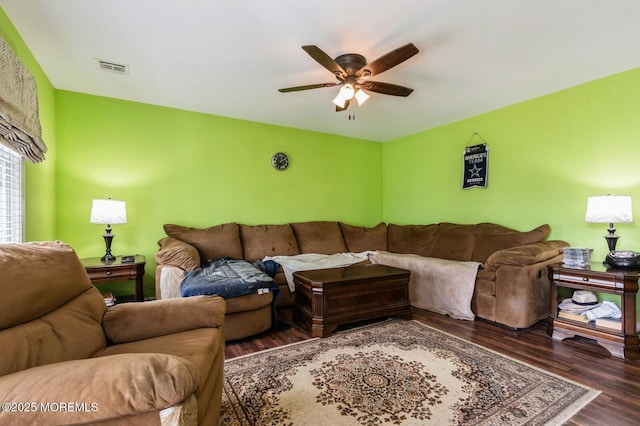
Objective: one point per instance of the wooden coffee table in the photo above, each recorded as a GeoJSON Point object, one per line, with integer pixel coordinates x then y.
{"type": "Point", "coordinates": [326, 298]}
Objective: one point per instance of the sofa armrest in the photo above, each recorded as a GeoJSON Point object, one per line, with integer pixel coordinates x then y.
{"type": "Point", "coordinates": [529, 254]}
{"type": "Point", "coordinates": [168, 279]}
{"type": "Point", "coordinates": [130, 322]}
{"type": "Point", "coordinates": [522, 295]}
{"type": "Point", "coordinates": [177, 253]}
{"type": "Point", "coordinates": [94, 389]}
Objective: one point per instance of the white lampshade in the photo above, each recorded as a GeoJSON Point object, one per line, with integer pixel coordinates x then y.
{"type": "Point", "coordinates": [361, 96]}
{"type": "Point", "coordinates": [339, 101]}
{"type": "Point", "coordinates": [345, 93]}
{"type": "Point", "coordinates": [108, 212]}
{"type": "Point", "coordinates": [609, 209]}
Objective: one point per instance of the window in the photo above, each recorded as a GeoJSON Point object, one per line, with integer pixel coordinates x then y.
{"type": "Point", "coordinates": [11, 200]}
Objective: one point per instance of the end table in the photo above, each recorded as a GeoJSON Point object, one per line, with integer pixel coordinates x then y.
{"type": "Point", "coordinates": [598, 278]}
{"type": "Point", "coordinates": [116, 271]}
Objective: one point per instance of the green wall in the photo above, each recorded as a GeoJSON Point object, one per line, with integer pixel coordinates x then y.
{"type": "Point", "coordinates": [39, 178]}
{"type": "Point", "coordinates": [174, 166]}
{"type": "Point", "coordinates": [546, 156]}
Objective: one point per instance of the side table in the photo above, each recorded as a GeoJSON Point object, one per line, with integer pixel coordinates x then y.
{"type": "Point", "coordinates": [116, 271]}
{"type": "Point", "coordinates": [598, 278]}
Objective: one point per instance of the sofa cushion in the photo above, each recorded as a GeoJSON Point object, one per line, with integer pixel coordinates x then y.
{"type": "Point", "coordinates": [259, 241]}
{"type": "Point", "coordinates": [72, 331]}
{"type": "Point", "coordinates": [50, 314]}
{"type": "Point", "coordinates": [250, 302]}
{"type": "Point", "coordinates": [453, 241]}
{"type": "Point", "coordinates": [55, 277]}
{"type": "Point", "coordinates": [410, 239]}
{"type": "Point", "coordinates": [197, 346]}
{"type": "Point", "coordinates": [177, 253]}
{"type": "Point", "coordinates": [492, 237]}
{"type": "Point", "coordinates": [115, 386]}
{"type": "Point", "coordinates": [214, 242]}
{"type": "Point", "coordinates": [360, 238]}
{"type": "Point", "coordinates": [321, 237]}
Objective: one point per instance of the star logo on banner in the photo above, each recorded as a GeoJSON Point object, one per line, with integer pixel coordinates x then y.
{"type": "Point", "coordinates": [475, 171]}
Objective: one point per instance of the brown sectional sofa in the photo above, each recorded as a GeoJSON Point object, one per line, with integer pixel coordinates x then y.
{"type": "Point", "coordinates": [67, 359]}
{"type": "Point", "coordinates": [512, 288]}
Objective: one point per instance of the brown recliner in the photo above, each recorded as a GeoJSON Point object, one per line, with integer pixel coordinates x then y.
{"type": "Point", "coordinates": [67, 359]}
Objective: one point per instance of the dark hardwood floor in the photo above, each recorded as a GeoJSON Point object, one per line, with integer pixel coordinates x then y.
{"type": "Point", "coordinates": [578, 359]}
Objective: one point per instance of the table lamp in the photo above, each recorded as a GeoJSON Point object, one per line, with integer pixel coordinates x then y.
{"type": "Point", "coordinates": [108, 212]}
{"type": "Point", "coordinates": [609, 209]}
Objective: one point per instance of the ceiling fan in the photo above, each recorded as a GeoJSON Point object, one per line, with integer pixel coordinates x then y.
{"type": "Point", "coordinates": [353, 71]}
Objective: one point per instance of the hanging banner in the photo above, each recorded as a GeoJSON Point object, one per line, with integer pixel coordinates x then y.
{"type": "Point", "coordinates": [475, 165]}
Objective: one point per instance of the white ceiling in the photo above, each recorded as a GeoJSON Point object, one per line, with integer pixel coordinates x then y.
{"type": "Point", "coordinates": [230, 58]}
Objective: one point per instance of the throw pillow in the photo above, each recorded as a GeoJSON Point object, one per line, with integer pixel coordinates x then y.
{"type": "Point", "coordinates": [214, 242]}
{"type": "Point", "coordinates": [259, 241]}
{"type": "Point", "coordinates": [410, 239]}
{"type": "Point", "coordinates": [319, 237]}
{"type": "Point", "coordinates": [454, 242]}
{"type": "Point", "coordinates": [492, 237]}
{"type": "Point", "coordinates": [360, 238]}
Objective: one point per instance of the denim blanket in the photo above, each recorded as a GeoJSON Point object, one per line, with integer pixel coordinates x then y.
{"type": "Point", "coordinates": [227, 278]}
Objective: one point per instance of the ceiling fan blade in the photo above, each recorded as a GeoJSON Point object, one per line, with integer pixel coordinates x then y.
{"type": "Point", "coordinates": [387, 61]}
{"type": "Point", "coordinates": [307, 87]}
{"type": "Point", "coordinates": [386, 88]}
{"type": "Point", "coordinates": [326, 61]}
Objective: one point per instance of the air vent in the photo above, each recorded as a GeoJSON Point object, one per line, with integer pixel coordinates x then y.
{"type": "Point", "coordinates": [112, 67]}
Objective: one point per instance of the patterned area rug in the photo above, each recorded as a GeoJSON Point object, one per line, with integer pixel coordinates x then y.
{"type": "Point", "coordinates": [393, 373]}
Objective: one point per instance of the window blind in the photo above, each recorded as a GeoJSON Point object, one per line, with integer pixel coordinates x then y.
{"type": "Point", "coordinates": [11, 199]}
{"type": "Point", "coordinates": [19, 120]}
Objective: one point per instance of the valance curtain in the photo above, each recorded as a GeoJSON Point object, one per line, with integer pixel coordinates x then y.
{"type": "Point", "coordinates": [19, 119]}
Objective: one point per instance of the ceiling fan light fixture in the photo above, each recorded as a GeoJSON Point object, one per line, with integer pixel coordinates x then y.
{"type": "Point", "coordinates": [345, 94]}
{"type": "Point", "coordinates": [347, 91]}
{"type": "Point", "coordinates": [351, 68]}
{"type": "Point", "coordinates": [361, 96]}
{"type": "Point", "coordinates": [339, 100]}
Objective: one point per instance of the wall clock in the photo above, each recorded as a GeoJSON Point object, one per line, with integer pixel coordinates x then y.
{"type": "Point", "coordinates": [280, 161]}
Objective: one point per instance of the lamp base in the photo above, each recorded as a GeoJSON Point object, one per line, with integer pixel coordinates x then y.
{"type": "Point", "coordinates": [108, 237]}
{"type": "Point", "coordinates": [612, 240]}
